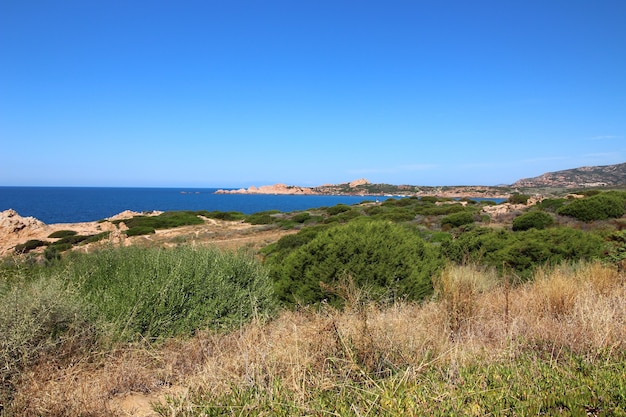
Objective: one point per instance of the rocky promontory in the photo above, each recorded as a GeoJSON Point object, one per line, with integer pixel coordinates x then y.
{"type": "Point", "coordinates": [270, 189]}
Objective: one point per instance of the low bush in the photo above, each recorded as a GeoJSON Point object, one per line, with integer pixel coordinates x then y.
{"type": "Point", "coordinates": [157, 293]}
{"type": "Point", "coordinates": [165, 220]}
{"type": "Point", "coordinates": [29, 245]}
{"type": "Point", "coordinates": [458, 219]}
{"type": "Point", "coordinates": [140, 230]}
{"type": "Point", "coordinates": [533, 219]}
{"type": "Point", "coordinates": [517, 198]}
{"type": "Point", "coordinates": [384, 257]}
{"type": "Point", "coordinates": [551, 204]}
{"type": "Point", "coordinates": [262, 217]}
{"type": "Point", "coordinates": [597, 207]}
{"type": "Point", "coordinates": [37, 317]}
{"type": "Point", "coordinates": [62, 233]}
{"type": "Point", "coordinates": [223, 215]}
{"type": "Point", "coordinates": [524, 250]}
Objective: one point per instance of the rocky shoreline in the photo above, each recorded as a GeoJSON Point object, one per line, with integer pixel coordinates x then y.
{"type": "Point", "coordinates": [362, 187]}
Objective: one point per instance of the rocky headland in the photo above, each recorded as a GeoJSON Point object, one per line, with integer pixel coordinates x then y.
{"type": "Point", "coordinates": [364, 187]}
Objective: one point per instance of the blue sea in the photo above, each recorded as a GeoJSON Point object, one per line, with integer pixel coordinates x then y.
{"type": "Point", "coordinates": [82, 204]}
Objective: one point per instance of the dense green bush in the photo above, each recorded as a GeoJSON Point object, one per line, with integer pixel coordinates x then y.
{"type": "Point", "coordinates": [382, 256]}
{"type": "Point", "coordinates": [533, 219]}
{"type": "Point", "coordinates": [522, 251]}
{"type": "Point", "coordinates": [262, 217]}
{"type": "Point", "coordinates": [140, 230]}
{"type": "Point", "coordinates": [597, 207]}
{"type": "Point", "coordinates": [166, 220]}
{"type": "Point", "coordinates": [29, 245]}
{"type": "Point", "coordinates": [458, 219]}
{"type": "Point", "coordinates": [551, 204]}
{"type": "Point", "coordinates": [301, 217]}
{"type": "Point", "coordinates": [517, 198]}
{"type": "Point", "coordinates": [339, 208]}
{"type": "Point", "coordinates": [62, 233]}
{"type": "Point", "coordinates": [222, 215]}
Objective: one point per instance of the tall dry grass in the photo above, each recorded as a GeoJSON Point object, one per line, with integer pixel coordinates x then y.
{"type": "Point", "coordinates": [578, 308]}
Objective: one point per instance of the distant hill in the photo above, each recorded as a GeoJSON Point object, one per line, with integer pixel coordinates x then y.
{"type": "Point", "coordinates": [596, 176]}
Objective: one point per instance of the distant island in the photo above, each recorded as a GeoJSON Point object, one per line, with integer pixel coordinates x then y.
{"type": "Point", "coordinates": [577, 178]}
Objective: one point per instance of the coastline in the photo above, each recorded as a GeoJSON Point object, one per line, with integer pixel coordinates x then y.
{"type": "Point", "coordinates": [363, 187]}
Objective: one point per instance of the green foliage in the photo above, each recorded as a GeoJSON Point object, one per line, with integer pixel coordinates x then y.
{"type": "Point", "coordinates": [168, 292]}
{"type": "Point", "coordinates": [301, 217]}
{"type": "Point", "coordinates": [140, 230]}
{"type": "Point", "coordinates": [36, 318]}
{"type": "Point", "coordinates": [222, 215]}
{"type": "Point", "coordinates": [597, 207]}
{"type": "Point", "coordinates": [381, 256]}
{"type": "Point", "coordinates": [166, 220]}
{"type": "Point", "coordinates": [62, 233]}
{"type": "Point", "coordinates": [72, 240]}
{"type": "Point", "coordinates": [517, 198]}
{"type": "Point", "coordinates": [522, 251]}
{"type": "Point", "coordinates": [533, 219]}
{"type": "Point", "coordinates": [97, 237]}
{"type": "Point", "coordinates": [262, 217]}
{"type": "Point", "coordinates": [339, 208]}
{"type": "Point", "coordinates": [458, 219]}
{"type": "Point", "coordinates": [616, 247]}
{"type": "Point", "coordinates": [551, 204]}
{"type": "Point", "coordinates": [29, 245]}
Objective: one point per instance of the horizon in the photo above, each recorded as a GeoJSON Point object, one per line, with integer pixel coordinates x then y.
{"type": "Point", "coordinates": [211, 95]}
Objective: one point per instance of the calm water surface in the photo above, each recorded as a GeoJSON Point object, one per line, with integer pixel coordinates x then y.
{"type": "Point", "coordinates": [81, 204]}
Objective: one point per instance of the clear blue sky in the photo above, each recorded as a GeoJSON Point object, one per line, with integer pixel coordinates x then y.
{"type": "Point", "coordinates": [234, 93]}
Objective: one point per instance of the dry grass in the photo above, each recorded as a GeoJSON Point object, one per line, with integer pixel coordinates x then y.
{"type": "Point", "coordinates": [579, 308]}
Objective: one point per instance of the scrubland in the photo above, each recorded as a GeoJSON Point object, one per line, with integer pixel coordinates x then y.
{"type": "Point", "coordinates": [197, 331]}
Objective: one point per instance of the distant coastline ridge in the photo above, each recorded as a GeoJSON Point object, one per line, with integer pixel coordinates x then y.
{"type": "Point", "coordinates": [350, 188]}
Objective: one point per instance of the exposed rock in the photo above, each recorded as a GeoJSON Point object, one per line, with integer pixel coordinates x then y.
{"type": "Point", "coordinates": [12, 222]}
{"type": "Point", "coordinates": [361, 181]}
{"type": "Point", "coordinates": [270, 189]}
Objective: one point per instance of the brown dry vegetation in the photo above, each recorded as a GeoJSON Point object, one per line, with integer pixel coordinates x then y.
{"type": "Point", "coordinates": [472, 319]}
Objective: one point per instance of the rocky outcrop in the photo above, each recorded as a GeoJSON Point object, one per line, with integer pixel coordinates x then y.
{"type": "Point", "coordinates": [12, 222]}
{"type": "Point", "coordinates": [270, 189]}
{"type": "Point", "coordinates": [15, 229]}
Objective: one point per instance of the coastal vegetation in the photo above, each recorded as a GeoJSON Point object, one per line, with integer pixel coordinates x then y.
{"type": "Point", "coordinates": [410, 306]}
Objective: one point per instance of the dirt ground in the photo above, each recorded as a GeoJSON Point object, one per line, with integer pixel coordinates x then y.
{"type": "Point", "coordinates": [232, 235]}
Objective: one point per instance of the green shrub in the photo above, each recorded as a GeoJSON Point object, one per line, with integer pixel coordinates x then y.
{"type": "Point", "coordinates": [159, 293]}
{"type": "Point", "coordinates": [551, 204]}
{"type": "Point", "coordinates": [597, 207]}
{"type": "Point", "coordinates": [517, 198]}
{"type": "Point", "coordinates": [97, 237]}
{"type": "Point", "coordinates": [301, 217]}
{"type": "Point", "coordinates": [262, 217]}
{"type": "Point", "coordinates": [167, 220]}
{"type": "Point", "coordinates": [339, 208]}
{"type": "Point", "coordinates": [37, 316]}
{"type": "Point", "coordinates": [382, 256]}
{"type": "Point", "coordinates": [29, 245]}
{"type": "Point", "coordinates": [62, 233]}
{"type": "Point", "coordinates": [223, 215]}
{"type": "Point", "coordinates": [533, 219]}
{"type": "Point", "coordinates": [140, 230]}
{"type": "Point", "coordinates": [458, 219]}
{"type": "Point", "coordinates": [522, 251]}
{"type": "Point", "coordinates": [72, 240]}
